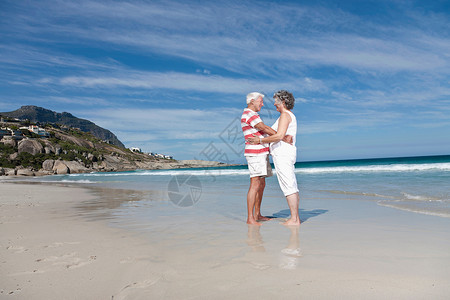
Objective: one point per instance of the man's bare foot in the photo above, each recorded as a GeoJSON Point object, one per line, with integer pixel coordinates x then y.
{"type": "Point", "coordinates": [262, 218]}
{"type": "Point", "coordinates": [291, 222]}
{"type": "Point", "coordinates": [253, 222]}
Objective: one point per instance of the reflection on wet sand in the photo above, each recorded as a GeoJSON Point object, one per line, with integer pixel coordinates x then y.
{"type": "Point", "coordinates": [107, 199]}
{"type": "Point", "coordinates": [290, 255]}
{"type": "Point", "coordinates": [254, 239]}
{"type": "Point", "coordinates": [259, 258]}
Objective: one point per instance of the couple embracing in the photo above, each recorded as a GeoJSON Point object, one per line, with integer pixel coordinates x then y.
{"type": "Point", "coordinates": [279, 140]}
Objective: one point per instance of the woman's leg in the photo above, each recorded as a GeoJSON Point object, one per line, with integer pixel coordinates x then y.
{"type": "Point", "coordinates": [293, 200]}
{"type": "Point", "coordinates": [284, 165]}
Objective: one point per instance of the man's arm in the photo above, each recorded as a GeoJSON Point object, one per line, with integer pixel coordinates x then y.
{"type": "Point", "coordinates": [264, 128]}
{"type": "Point", "coordinates": [268, 130]}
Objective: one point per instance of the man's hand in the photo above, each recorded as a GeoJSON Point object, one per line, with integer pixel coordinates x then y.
{"type": "Point", "coordinates": [288, 139]}
{"type": "Point", "coordinates": [253, 140]}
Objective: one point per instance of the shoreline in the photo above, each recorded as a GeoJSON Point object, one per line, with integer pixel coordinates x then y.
{"type": "Point", "coordinates": [56, 245]}
{"type": "Point", "coordinates": [159, 165]}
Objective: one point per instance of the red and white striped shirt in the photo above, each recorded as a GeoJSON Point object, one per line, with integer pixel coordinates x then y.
{"type": "Point", "coordinates": [248, 121]}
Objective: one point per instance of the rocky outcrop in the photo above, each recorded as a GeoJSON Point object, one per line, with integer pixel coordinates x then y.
{"type": "Point", "coordinates": [60, 168]}
{"type": "Point", "coordinates": [42, 172]}
{"type": "Point", "coordinates": [86, 154]}
{"type": "Point", "coordinates": [25, 172]}
{"type": "Point", "coordinates": [75, 167]}
{"type": "Point", "coordinates": [64, 167]}
{"type": "Point", "coordinates": [48, 164]}
{"type": "Point", "coordinates": [49, 148]}
{"type": "Point", "coordinates": [8, 140]}
{"type": "Point", "coordinates": [75, 140]}
{"type": "Point", "coordinates": [92, 157]}
{"type": "Point", "coordinates": [110, 163]}
{"type": "Point", "coordinates": [10, 172]}
{"type": "Point", "coordinates": [31, 146]}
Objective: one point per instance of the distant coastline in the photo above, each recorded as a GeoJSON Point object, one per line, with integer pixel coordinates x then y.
{"type": "Point", "coordinates": [42, 147]}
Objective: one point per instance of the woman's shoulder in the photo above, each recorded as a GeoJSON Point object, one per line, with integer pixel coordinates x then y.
{"type": "Point", "coordinates": [291, 114]}
{"type": "Point", "coordinates": [286, 115]}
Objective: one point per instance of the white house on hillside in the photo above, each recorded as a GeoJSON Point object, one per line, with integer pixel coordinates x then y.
{"type": "Point", "coordinates": [37, 130]}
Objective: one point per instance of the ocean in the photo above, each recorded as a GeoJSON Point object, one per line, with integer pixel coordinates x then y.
{"type": "Point", "coordinates": [417, 185]}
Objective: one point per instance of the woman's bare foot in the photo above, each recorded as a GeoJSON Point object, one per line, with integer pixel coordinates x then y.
{"type": "Point", "coordinates": [291, 222]}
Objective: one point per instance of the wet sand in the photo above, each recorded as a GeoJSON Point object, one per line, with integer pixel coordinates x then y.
{"type": "Point", "coordinates": [56, 244]}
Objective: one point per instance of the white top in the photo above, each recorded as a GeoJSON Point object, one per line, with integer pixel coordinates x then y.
{"type": "Point", "coordinates": [278, 147]}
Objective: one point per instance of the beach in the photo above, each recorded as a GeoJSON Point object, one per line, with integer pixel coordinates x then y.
{"type": "Point", "coordinates": [100, 240]}
{"type": "Point", "coordinates": [49, 252]}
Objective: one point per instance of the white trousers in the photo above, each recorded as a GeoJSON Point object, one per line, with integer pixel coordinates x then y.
{"type": "Point", "coordinates": [284, 165]}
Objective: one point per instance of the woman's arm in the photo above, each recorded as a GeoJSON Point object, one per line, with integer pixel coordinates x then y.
{"type": "Point", "coordinates": [268, 130]}
{"type": "Point", "coordinates": [283, 124]}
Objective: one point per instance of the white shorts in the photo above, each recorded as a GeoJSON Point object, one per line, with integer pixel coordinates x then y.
{"type": "Point", "coordinates": [284, 165]}
{"type": "Point", "coordinates": [259, 166]}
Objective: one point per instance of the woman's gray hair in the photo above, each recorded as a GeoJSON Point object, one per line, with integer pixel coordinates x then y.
{"type": "Point", "coordinates": [285, 97]}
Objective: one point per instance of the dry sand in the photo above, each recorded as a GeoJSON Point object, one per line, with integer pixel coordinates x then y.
{"type": "Point", "coordinates": [50, 251]}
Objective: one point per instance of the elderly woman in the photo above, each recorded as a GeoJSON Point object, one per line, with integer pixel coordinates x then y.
{"type": "Point", "coordinates": [284, 155]}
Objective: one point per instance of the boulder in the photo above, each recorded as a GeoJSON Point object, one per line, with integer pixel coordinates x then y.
{"type": "Point", "coordinates": [60, 167]}
{"type": "Point", "coordinates": [48, 148]}
{"type": "Point", "coordinates": [2, 171]}
{"type": "Point", "coordinates": [31, 146]}
{"type": "Point", "coordinates": [75, 167]}
{"type": "Point", "coordinates": [10, 172]}
{"type": "Point", "coordinates": [58, 149]}
{"type": "Point", "coordinates": [112, 159]}
{"type": "Point", "coordinates": [8, 140]}
{"type": "Point", "coordinates": [25, 172]}
{"type": "Point", "coordinates": [48, 164]}
{"type": "Point", "coordinates": [13, 156]}
{"type": "Point", "coordinates": [43, 172]}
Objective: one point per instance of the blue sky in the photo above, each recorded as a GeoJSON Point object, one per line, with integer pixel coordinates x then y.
{"type": "Point", "coordinates": [370, 78]}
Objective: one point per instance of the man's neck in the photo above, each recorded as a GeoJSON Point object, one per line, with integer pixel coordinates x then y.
{"type": "Point", "coordinates": [251, 108]}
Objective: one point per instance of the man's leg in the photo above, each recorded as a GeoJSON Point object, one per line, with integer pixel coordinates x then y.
{"type": "Point", "coordinates": [292, 201]}
{"type": "Point", "coordinates": [251, 199]}
{"type": "Point", "coordinates": [259, 197]}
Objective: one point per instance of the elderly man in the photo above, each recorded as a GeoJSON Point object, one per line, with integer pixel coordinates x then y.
{"type": "Point", "coordinates": [257, 156]}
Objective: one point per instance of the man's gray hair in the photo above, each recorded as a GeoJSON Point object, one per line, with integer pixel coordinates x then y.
{"type": "Point", "coordinates": [285, 97]}
{"type": "Point", "coordinates": [253, 96]}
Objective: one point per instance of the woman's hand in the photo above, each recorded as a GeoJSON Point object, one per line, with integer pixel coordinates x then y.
{"type": "Point", "coordinates": [254, 140]}
{"type": "Point", "coordinates": [288, 139]}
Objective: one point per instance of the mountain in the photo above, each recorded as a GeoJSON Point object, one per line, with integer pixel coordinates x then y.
{"type": "Point", "coordinates": [42, 115]}
{"type": "Point", "coordinates": [74, 151]}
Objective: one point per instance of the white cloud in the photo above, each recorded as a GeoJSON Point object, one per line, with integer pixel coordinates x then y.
{"type": "Point", "coordinates": [164, 123]}
{"type": "Point", "coordinates": [290, 37]}
{"type": "Point", "coordinates": [181, 81]}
